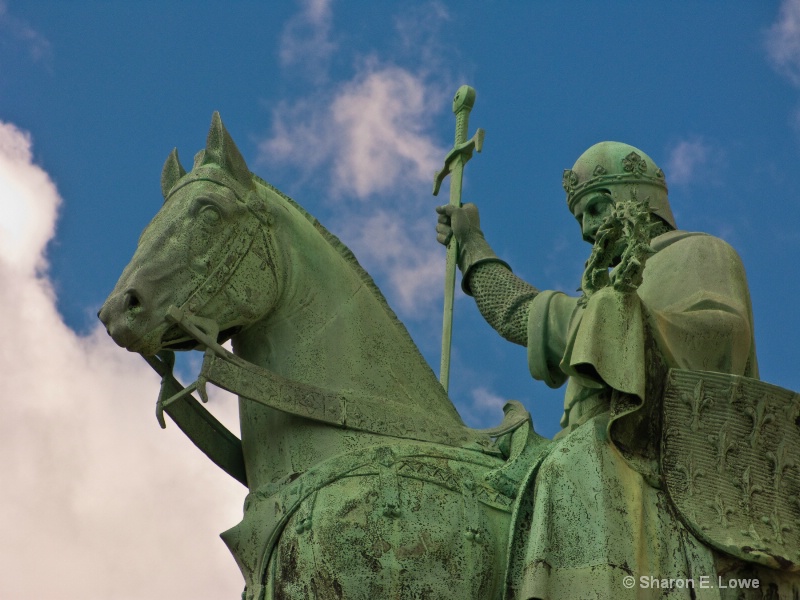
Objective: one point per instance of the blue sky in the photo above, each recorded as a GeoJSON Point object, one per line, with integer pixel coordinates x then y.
{"type": "Point", "coordinates": [346, 107]}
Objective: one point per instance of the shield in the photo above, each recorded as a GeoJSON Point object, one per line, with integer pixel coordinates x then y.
{"type": "Point", "coordinates": [731, 464]}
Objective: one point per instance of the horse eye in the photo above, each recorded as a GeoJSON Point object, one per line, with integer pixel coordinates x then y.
{"type": "Point", "coordinates": [210, 215]}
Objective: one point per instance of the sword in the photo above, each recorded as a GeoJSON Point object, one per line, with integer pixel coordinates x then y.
{"type": "Point", "coordinates": [454, 166]}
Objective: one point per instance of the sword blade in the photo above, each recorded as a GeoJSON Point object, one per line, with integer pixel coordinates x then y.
{"type": "Point", "coordinates": [456, 178]}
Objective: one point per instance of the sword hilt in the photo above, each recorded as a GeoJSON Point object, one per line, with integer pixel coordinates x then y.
{"type": "Point", "coordinates": [463, 102]}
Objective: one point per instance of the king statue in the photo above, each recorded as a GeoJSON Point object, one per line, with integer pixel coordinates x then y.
{"type": "Point", "coordinates": [676, 473]}
{"type": "Point", "coordinates": [650, 488]}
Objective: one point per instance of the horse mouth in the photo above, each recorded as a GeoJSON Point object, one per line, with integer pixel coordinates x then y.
{"type": "Point", "coordinates": [180, 345]}
{"type": "Point", "coordinates": [176, 339]}
{"type": "Point", "coordinates": [162, 338]}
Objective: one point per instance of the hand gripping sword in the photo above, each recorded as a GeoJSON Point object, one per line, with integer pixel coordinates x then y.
{"type": "Point", "coordinates": [454, 166]}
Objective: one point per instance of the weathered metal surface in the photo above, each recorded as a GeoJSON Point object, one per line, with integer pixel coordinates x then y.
{"type": "Point", "coordinates": [593, 517]}
{"type": "Point", "coordinates": [365, 483]}
{"type": "Point", "coordinates": [327, 377]}
{"type": "Point", "coordinates": [369, 522]}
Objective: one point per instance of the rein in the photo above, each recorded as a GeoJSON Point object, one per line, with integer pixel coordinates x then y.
{"type": "Point", "coordinates": [360, 412]}
{"type": "Point", "coordinates": [357, 412]}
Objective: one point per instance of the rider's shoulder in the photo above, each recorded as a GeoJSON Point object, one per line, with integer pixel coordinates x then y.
{"type": "Point", "coordinates": [689, 239]}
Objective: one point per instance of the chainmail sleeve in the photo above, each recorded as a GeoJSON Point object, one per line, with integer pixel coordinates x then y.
{"type": "Point", "coordinates": [503, 299]}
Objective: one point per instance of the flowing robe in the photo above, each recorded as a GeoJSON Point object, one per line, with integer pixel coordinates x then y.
{"type": "Point", "coordinates": [594, 513]}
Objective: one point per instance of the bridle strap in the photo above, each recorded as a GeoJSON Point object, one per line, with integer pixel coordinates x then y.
{"type": "Point", "coordinates": [241, 240]}
{"type": "Point", "coordinates": [206, 432]}
{"type": "Point", "coordinates": [362, 413]}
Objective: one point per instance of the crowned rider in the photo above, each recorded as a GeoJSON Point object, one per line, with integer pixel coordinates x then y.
{"type": "Point", "coordinates": [598, 513]}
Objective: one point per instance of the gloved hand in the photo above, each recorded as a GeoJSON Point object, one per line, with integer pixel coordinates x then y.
{"type": "Point", "coordinates": [465, 224]}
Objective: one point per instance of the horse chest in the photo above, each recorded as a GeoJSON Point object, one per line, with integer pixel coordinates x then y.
{"type": "Point", "coordinates": [277, 445]}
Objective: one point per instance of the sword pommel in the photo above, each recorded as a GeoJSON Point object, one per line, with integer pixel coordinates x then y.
{"type": "Point", "coordinates": [464, 98]}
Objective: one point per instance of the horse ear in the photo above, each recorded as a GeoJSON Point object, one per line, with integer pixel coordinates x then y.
{"type": "Point", "coordinates": [198, 159]}
{"type": "Point", "coordinates": [172, 171]}
{"type": "Point", "coordinates": [221, 151]}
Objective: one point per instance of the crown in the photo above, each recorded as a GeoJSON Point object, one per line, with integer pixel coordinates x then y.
{"type": "Point", "coordinates": [632, 170]}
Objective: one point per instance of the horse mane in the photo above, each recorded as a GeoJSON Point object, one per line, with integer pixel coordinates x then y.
{"type": "Point", "coordinates": [344, 252]}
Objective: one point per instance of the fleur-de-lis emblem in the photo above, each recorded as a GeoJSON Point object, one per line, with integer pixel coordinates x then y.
{"type": "Point", "coordinates": [697, 402]}
{"type": "Point", "coordinates": [670, 434]}
{"type": "Point", "coordinates": [751, 533]}
{"type": "Point", "coordinates": [569, 180]}
{"type": "Point", "coordinates": [760, 416]}
{"type": "Point", "coordinates": [691, 473]}
{"type": "Point", "coordinates": [722, 510]}
{"type": "Point", "coordinates": [778, 528]}
{"type": "Point", "coordinates": [793, 409]}
{"type": "Point", "coordinates": [734, 391]}
{"type": "Point", "coordinates": [723, 446]}
{"type": "Point", "coordinates": [749, 488]}
{"type": "Point", "coordinates": [633, 163]}
{"type": "Point", "coordinates": [781, 461]}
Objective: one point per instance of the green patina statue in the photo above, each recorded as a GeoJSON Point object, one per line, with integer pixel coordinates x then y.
{"type": "Point", "coordinates": [363, 480]}
{"type": "Point", "coordinates": [676, 470]}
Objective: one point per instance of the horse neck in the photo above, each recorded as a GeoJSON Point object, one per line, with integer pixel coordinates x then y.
{"type": "Point", "coordinates": [331, 329]}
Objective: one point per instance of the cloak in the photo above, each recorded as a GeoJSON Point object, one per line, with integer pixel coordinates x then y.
{"type": "Point", "coordinates": [594, 513]}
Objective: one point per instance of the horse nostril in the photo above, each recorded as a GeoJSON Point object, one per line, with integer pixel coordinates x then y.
{"type": "Point", "coordinates": [132, 300]}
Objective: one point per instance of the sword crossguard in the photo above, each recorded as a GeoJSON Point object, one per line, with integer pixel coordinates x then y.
{"type": "Point", "coordinates": [465, 149]}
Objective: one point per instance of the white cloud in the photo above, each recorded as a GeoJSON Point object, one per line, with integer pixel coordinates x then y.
{"type": "Point", "coordinates": [483, 407]}
{"type": "Point", "coordinates": [487, 401]}
{"type": "Point", "coordinates": [366, 141]}
{"type": "Point", "coordinates": [30, 203]}
{"type": "Point", "coordinates": [371, 143]}
{"type": "Point", "coordinates": [372, 133]}
{"type": "Point", "coordinates": [17, 30]}
{"type": "Point", "coordinates": [406, 250]}
{"type": "Point", "coordinates": [686, 159]}
{"type": "Point", "coordinates": [783, 41]}
{"type": "Point", "coordinates": [382, 117]}
{"type": "Point", "coordinates": [305, 41]}
{"type": "Point", "coordinates": [97, 501]}
{"type": "Point", "coordinates": [418, 29]}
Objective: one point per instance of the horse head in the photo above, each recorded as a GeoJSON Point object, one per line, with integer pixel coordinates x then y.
{"type": "Point", "coordinates": [207, 252]}
{"type": "Point", "coordinates": [230, 257]}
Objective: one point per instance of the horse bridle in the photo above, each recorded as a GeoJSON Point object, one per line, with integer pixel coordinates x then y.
{"type": "Point", "coordinates": [241, 240]}
{"type": "Point", "coordinates": [204, 329]}
{"type": "Point", "coordinates": [334, 408]}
